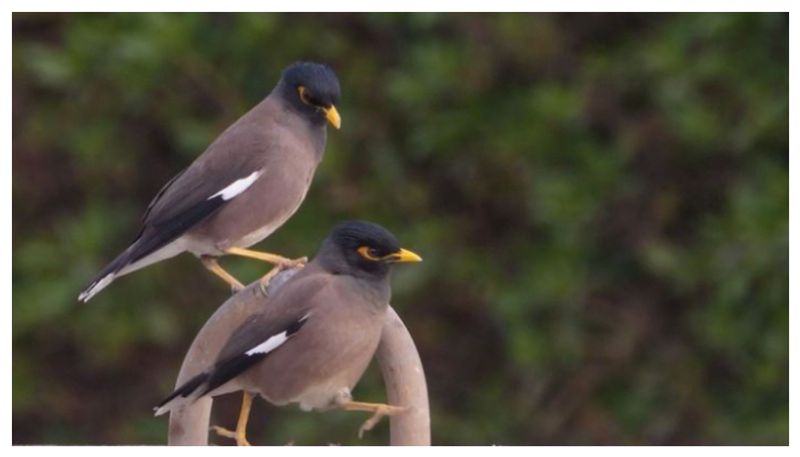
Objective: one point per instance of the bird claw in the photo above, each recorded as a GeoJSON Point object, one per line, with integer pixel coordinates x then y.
{"type": "Point", "coordinates": [293, 263]}
{"type": "Point", "coordinates": [241, 440]}
{"type": "Point", "coordinates": [263, 283]}
{"type": "Point", "coordinates": [288, 264]}
{"type": "Point", "coordinates": [263, 286]}
{"type": "Point", "coordinates": [380, 412]}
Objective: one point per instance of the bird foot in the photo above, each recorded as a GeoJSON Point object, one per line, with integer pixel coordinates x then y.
{"type": "Point", "coordinates": [241, 439]}
{"type": "Point", "coordinates": [384, 410]}
{"type": "Point", "coordinates": [378, 410]}
{"type": "Point", "coordinates": [263, 283]}
{"type": "Point", "coordinates": [293, 263]}
{"type": "Point", "coordinates": [287, 264]}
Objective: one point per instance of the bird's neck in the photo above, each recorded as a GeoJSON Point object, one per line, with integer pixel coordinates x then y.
{"type": "Point", "coordinates": [314, 129]}
{"type": "Point", "coordinates": [376, 292]}
{"type": "Point", "coordinates": [374, 285]}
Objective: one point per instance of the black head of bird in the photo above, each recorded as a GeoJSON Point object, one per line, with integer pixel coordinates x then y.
{"type": "Point", "coordinates": [313, 90]}
{"type": "Point", "coordinates": [362, 249]}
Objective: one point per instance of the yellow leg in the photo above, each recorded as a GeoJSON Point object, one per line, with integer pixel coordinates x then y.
{"type": "Point", "coordinates": [280, 262]}
{"type": "Point", "coordinates": [378, 410]}
{"type": "Point", "coordinates": [240, 435]}
{"type": "Point", "coordinates": [265, 256]}
{"type": "Point", "coordinates": [263, 283]}
{"type": "Point", "coordinates": [213, 266]}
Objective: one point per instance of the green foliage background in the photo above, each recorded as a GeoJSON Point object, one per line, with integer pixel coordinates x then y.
{"type": "Point", "coordinates": [601, 201]}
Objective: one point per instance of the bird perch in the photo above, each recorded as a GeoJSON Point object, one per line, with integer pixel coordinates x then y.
{"type": "Point", "coordinates": [397, 356]}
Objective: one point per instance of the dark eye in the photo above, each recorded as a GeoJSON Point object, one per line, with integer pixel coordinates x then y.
{"type": "Point", "coordinates": [373, 252]}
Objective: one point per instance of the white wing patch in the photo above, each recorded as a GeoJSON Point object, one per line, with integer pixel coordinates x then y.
{"type": "Point", "coordinates": [274, 341]}
{"type": "Point", "coordinates": [267, 346]}
{"type": "Point", "coordinates": [237, 187]}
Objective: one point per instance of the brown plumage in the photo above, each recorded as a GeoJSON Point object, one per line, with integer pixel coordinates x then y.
{"type": "Point", "coordinates": [248, 182]}
{"type": "Point", "coordinates": [315, 337]}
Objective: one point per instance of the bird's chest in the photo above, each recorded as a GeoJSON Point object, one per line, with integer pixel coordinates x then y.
{"type": "Point", "coordinates": [335, 355]}
{"type": "Point", "coordinates": [269, 218]}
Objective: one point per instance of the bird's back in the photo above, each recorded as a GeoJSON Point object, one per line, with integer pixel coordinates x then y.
{"type": "Point", "coordinates": [234, 153]}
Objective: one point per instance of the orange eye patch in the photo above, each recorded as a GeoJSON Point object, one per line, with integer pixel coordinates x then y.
{"type": "Point", "coordinates": [305, 95]}
{"type": "Point", "coordinates": [370, 254]}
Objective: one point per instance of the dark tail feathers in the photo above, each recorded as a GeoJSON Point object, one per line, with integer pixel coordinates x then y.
{"type": "Point", "coordinates": [184, 391]}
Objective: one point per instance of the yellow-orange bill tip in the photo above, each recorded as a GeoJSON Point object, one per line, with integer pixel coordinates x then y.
{"type": "Point", "coordinates": [404, 255]}
{"type": "Point", "coordinates": [333, 117]}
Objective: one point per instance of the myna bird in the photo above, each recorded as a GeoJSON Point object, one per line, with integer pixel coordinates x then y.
{"type": "Point", "coordinates": [248, 182]}
{"type": "Point", "coordinates": [314, 338]}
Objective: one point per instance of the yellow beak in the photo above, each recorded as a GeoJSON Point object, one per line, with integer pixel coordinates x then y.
{"type": "Point", "coordinates": [333, 117]}
{"type": "Point", "coordinates": [404, 255]}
